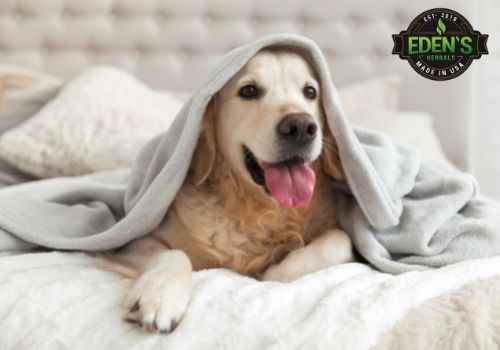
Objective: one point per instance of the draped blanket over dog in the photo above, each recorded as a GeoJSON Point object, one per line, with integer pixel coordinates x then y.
{"type": "Point", "coordinates": [401, 213]}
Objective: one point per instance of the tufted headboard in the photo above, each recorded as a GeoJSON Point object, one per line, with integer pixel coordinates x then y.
{"type": "Point", "coordinates": [172, 44]}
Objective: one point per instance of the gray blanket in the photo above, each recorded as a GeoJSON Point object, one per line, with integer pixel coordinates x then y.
{"type": "Point", "coordinates": [402, 214]}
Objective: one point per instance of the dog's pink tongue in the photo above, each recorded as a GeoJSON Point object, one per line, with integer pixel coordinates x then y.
{"type": "Point", "coordinates": [291, 184]}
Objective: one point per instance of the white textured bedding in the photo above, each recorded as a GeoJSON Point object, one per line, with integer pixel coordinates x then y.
{"type": "Point", "coordinates": [63, 301]}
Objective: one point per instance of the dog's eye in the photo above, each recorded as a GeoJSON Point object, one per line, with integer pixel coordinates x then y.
{"type": "Point", "coordinates": [249, 91]}
{"type": "Point", "coordinates": [310, 92]}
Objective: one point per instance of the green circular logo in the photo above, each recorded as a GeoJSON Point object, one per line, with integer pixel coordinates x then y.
{"type": "Point", "coordinates": [440, 44]}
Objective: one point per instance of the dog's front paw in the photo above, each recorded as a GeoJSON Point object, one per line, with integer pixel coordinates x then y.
{"type": "Point", "coordinates": [157, 301]}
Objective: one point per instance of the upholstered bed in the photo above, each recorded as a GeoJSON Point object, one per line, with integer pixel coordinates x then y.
{"type": "Point", "coordinates": [172, 45]}
{"type": "Point", "coordinates": [62, 300]}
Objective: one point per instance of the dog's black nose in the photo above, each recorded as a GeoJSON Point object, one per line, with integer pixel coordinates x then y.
{"type": "Point", "coordinates": [299, 128]}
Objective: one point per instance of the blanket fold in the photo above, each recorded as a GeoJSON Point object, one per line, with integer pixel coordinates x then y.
{"type": "Point", "coordinates": [401, 213]}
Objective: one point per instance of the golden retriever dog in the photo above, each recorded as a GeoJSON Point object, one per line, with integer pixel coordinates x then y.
{"type": "Point", "coordinates": [258, 198]}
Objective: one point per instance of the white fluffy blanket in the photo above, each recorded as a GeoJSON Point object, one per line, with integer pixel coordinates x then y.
{"type": "Point", "coordinates": [63, 301]}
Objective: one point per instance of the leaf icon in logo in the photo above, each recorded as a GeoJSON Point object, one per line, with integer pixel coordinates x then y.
{"type": "Point", "coordinates": [441, 28]}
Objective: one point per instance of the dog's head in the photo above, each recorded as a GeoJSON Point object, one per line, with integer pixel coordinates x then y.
{"type": "Point", "coordinates": [267, 122]}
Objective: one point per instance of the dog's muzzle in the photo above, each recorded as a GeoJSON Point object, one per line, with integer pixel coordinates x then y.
{"type": "Point", "coordinates": [291, 181]}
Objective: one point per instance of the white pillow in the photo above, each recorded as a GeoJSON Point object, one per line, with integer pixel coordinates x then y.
{"type": "Point", "coordinates": [101, 118]}
{"type": "Point", "coordinates": [415, 128]}
{"type": "Point", "coordinates": [98, 122]}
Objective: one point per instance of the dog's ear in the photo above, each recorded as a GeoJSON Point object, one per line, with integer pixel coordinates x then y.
{"type": "Point", "coordinates": [204, 155]}
{"type": "Point", "coordinates": [330, 159]}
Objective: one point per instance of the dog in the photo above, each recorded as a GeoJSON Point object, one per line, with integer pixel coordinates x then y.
{"type": "Point", "coordinates": [258, 197]}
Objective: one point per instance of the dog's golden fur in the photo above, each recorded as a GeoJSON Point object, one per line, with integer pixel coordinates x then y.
{"type": "Point", "coordinates": [220, 221]}
{"type": "Point", "coordinates": [221, 218]}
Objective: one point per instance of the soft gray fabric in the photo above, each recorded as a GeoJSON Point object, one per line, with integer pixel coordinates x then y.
{"type": "Point", "coordinates": [401, 214]}
{"type": "Point", "coordinates": [27, 104]}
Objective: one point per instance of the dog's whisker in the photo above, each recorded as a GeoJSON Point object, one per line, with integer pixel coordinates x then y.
{"type": "Point", "coordinates": [330, 146]}
{"type": "Point", "coordinates": [333, 148]}
{"type": "Point", "coordinates": [249, 157]}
